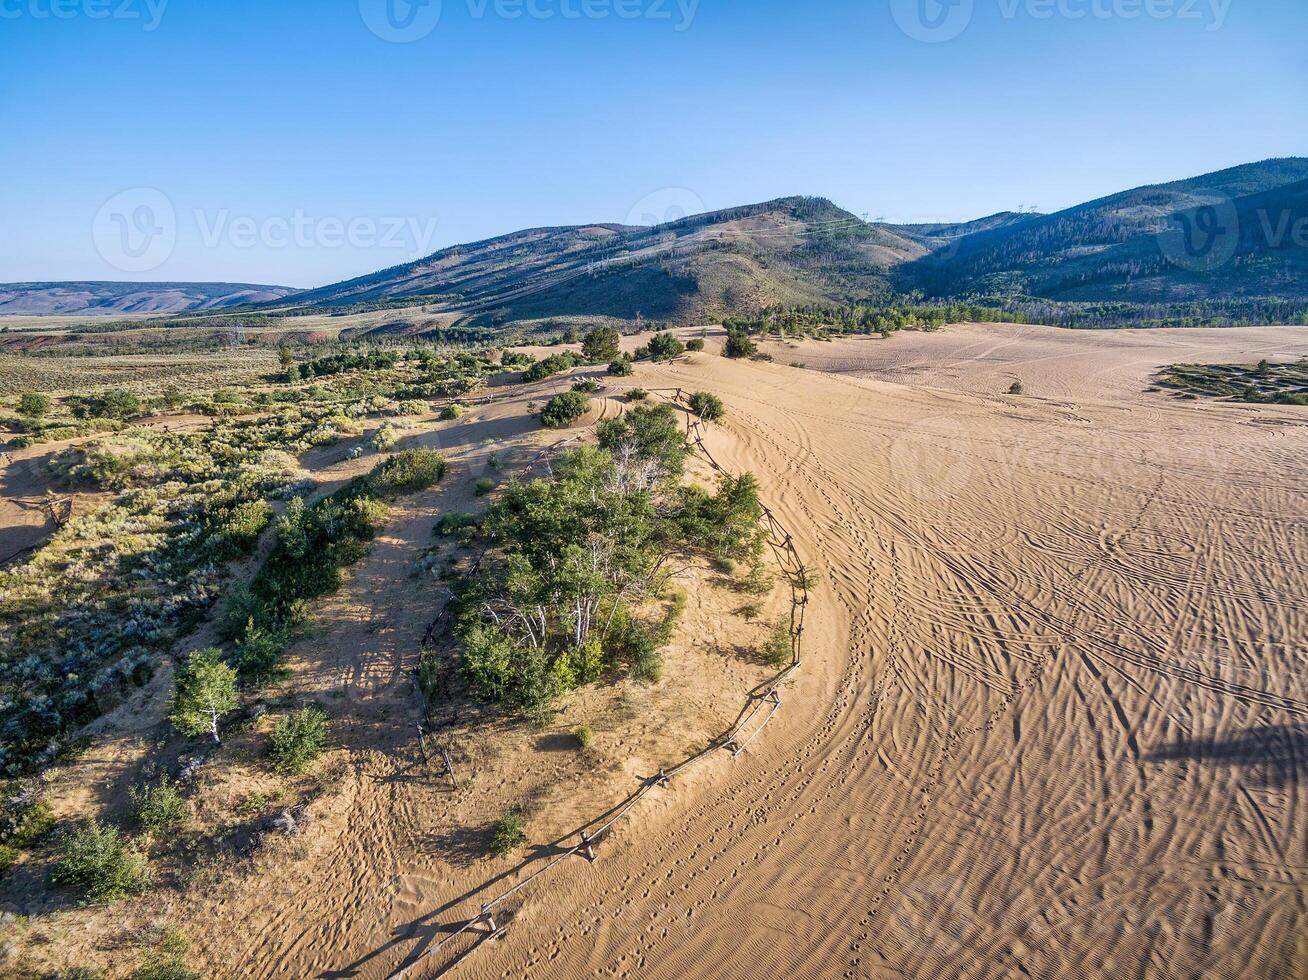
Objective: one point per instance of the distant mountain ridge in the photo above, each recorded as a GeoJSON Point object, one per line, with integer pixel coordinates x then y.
{"type": "Point", "coordinates": [122, 298]}
{"type": "Point", "coordinates": [1130, 246]}
{"type": "Point", "coordinates": [792, 250]}
{"type": "Point", "coordinates": [1125, 247]}
{"type": "Point", "coordinates": [1235, 236]}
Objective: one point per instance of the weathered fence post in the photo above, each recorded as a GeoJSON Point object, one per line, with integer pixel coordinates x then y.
{"type": "Point", "coordinates": [449, 767]}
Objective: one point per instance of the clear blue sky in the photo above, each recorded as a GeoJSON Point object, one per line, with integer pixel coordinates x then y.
{"type": "Point", "coordinates": [266, 111]}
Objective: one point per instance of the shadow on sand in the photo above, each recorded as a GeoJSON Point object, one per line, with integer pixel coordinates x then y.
{"type": "Point", "coordinates": [1275, 755]}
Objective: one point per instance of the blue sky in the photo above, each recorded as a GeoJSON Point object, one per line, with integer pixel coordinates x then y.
{"type": "Point", "coordinates": [293, 144]}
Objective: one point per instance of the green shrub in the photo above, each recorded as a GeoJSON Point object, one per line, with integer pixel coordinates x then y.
{"type": "Point", "coordinates": [1016, 388]}
{"type": "Point", "coordinates": [550, 366]}
{"type": "Point", "coordinates": [260, 654]}
{"type": "Point", "coordinates": [654, 433]}
{"type": "Point", "coordinates": [408, 472]}
{"type": "Point", "coordinates": [114, 404]}
{"type": "Point", "coordinates": [585, 736]}
{"type": "Point", "coordinates": [739, 344]}
{"type": "Point", "coordinates": [637, 395]}
{"type": "Point", "coordinates": [564, 409]}
{"type": "Point", "coordinates": [498, 669]}
{"type": "Point", "coordinates": [385, 438]}
{"type": "Point", "coordinates": [455, 523]}
{"type": "Point", "coordinates": [586, 387]}
{"type": "Point", "coordinates": [646, 660]}
{"type": "Point", "coordinates": [33, 405]}
{"type": "Point", "coordinates": [167, 961]}
{"type": "Point", "coordinates": [8, 857]}
{"type": "Point", "coordinates": [484, 486]}
{"type": "Point", "coordinates": [157, 807]}
{"type": "Point", "coordinates": [695, 345]}
{"type": "Point", "coordinates": [601, 344]}
{"type": "Point", "coordinates": [24, 818]}
{"type": "Point", "coordinates": [514, 358]}
{"type": "Point", "coordinates": [708, 407]}
{"type": "Point", "coordinates": [297, 739]}
{"type": "Point", "coordinates": [664, 347]}
{"type": "Point", "coordinates": [777, 650]}
{"type": "Point", "coordinates": [759, 581]}
{"type": "Point", "coordinates": [162, 967]}
{"type": "Point", "coordinates": [622, 368]}
{"type": "Point", "coordinates": [411, 406]}
{"type": "Point", "coordinates": [451, 412]}
{"type": "Point", "coordinates": [99, 862]}
{"type": "Point", "coordinates": [238, 532]}
{"type": "Point", "coordinates": [508, 834]}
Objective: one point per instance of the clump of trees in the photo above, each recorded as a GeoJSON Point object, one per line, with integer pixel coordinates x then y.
{"type": "Point", "coordinates": [340, 363]}
{"type": "Point", "coordinates": [577, 564]}
{"type": "Point", "coordinates": [663, 346]}
{"type": "Point", "coordinates": [622, 368]}
{"type": "Point", "coordinates": [117, 403]}
{"type": "Point", "coordinates": [551, 366]}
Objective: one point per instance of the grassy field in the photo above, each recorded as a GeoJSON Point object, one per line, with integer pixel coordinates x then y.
{"type": "Point", "coordinates": [142, 373]}
{"type": "Point", "coordinates": [1283, 383]}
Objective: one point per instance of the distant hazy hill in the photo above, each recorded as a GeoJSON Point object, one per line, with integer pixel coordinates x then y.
{"type": "Point", "coordinates": [793, 250]}
{"type": "Point", "coordinates": [117, 298]}
{"type": "Point", "coordinates": [1132, 246]}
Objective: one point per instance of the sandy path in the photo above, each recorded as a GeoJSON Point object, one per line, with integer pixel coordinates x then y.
{"type": "Point", "coordinates": [1058, 706]}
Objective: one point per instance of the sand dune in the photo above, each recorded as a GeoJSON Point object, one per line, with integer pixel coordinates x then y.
{"type": "Point", "coordinates": [1055, 704]}
{"type": "Point", "coordinates": [1051, 362]}
{"type": "Point", "coordinates": [1052, 719]}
